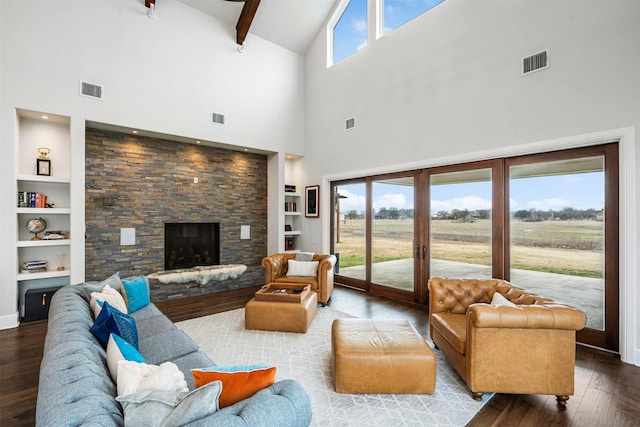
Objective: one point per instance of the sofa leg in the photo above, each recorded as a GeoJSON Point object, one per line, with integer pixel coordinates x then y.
{"type": "Point", "coordinates": [477, 395]}
{"type": "Point", "coordinates": [562, 401]}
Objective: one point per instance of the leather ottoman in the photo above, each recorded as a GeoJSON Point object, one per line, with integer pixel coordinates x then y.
{"type": "Point", "coordinates": [281, 316]}
{"type": "Point", "coordinates": [381, 356]}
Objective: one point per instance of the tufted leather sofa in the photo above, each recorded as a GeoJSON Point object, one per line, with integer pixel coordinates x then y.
{"type": "Point", "coordinates": [75, 387]}
{"type": "Point", "coordinates": [526, 349]}
{"type": "Point", "coordinates": [275, 270]}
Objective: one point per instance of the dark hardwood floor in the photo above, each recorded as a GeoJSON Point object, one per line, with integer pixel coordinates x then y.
{"type": "Point", "coordinates": [607, 390]}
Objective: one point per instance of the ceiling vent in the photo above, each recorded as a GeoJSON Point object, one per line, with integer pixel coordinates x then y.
{"type": "Point", "coordinates": [536, 62]}
{"type": "Point", "coordinates": [350, 123]}
{"type": "Point", "coordinates": [91, 90]}
{"type": "Point", "coordinates": [217, 118]}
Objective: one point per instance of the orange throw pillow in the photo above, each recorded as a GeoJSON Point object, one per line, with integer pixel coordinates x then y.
{"type": "Point", "coordinates": [238, 382]}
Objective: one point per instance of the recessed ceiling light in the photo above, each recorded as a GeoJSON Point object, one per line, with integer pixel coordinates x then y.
{"type": "Point", "coordinates": [246, 149]}
{"type": "Point", "coordinates": [45, 117]}
{"type": "Point", "coordinates": [197, 142]}
{"type": "Point", "coordinates": [135, 131]}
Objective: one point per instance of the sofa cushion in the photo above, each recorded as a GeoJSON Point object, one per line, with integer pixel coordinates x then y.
{"type": "Point", "coordinates": [166, 347]}
{"type": "Point", "coordinates": [453, 327]}
{"type": "Point", "coordinates": [238, 382]}
{"type": "Point", "coordinates": [152, 326]}
{"type": "Point", "coordinates": [111, 320]}
{"type": "Point", "coordinates": [134, 377]}
{"type": "Point", "coordinates": [161, 408]}
{"type": "Point", "coordinates": [118, 349]}
{"type": "Point", "coordinates": [302, 268]}
{"type": "Point", "coordinates": [136, 293]}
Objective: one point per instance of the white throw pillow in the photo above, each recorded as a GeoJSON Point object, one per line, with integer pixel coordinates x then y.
{"type": "Point", "coordinates": [118, 349]}
{"type": "Point", "coordinates": [110, 295]}
{"type": "Point", "coordinates": [499, 299]}
{"type": "Point", "coordinates": [302, 268]}
{"type": "Point", "coordinates": [134, 377]}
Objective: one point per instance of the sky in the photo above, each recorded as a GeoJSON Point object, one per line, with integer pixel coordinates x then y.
{"type": "Point", "coordinates": [350, 33]}
{"type": "Point", "coordinates": [579, 191]}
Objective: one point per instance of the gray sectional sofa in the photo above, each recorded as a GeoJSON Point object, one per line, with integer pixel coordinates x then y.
{"type": "Point", "coordinates": [75, 387]}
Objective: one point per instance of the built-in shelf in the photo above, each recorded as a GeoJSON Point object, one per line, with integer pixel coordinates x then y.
{"type": "Point", "coordinates": [44, 211]}
{"type": "Point", "coordinates": [44, 178]}
{"type": "Point", "coordinates": [43, 275]}
{"type": "Point", "coordinates": [38, 243]}
{"type": "Point", "coordinates": [292, 233]}
{"type": "Point", "coordinates": [292, 213]}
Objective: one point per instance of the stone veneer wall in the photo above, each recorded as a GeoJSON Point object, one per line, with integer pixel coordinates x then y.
{"type": "Point", "coordinates": [141, 182]}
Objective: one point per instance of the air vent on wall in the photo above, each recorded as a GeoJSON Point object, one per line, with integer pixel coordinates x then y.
{"type": "Point", "coordinates": [91, 90]}
{"type": "Point", "coordinates": [536, 62]}
{"type": "Point", "coordinates": [217, 118]}
{"type": "Point", "coordinates": [350, 123]}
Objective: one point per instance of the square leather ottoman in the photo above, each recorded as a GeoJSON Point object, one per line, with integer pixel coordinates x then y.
{"type": "Point", "coordinates": [281, 316]}
{"type": "Point", "coordinates": [381, 356]}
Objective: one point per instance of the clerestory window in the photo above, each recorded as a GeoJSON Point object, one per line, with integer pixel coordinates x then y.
{"type": "Point", "coordinates": [349, 29]}
{"type": "Point", "coordinates": [398, 12]}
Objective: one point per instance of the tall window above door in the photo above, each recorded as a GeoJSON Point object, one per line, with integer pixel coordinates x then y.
{"type": "Point", "coordinates": [348, 30]}
{"type": "Point", "coordinates": [396, 13]}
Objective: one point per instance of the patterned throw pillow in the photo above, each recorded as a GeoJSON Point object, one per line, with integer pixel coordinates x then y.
{"type": "Point", "coordinates": [111, 320]}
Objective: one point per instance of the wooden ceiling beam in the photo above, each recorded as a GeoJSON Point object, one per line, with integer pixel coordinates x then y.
{"type": "Point", "coordinates": [246, 18]}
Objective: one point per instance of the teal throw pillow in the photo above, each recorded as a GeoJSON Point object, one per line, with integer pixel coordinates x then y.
{"type": "Point", "coordinates": [118, 349]}
{"type": "Point", "coordinates": [111, 320]}
{"type": "Point", "coordinates": [136, 293]}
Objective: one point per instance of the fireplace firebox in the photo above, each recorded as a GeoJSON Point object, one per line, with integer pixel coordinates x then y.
{"type": "Point", "coordinates": [191, 244]}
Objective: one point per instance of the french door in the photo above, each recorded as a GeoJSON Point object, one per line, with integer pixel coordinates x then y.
{"type": "Point", "coordinates": [546, 222]}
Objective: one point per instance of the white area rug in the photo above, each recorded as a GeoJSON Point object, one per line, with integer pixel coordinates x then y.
{"type": "Point", "coordinates": [307, 359]}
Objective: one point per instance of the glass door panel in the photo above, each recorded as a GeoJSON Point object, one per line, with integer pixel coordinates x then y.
{"type": "Point", "coordinates": [349, 230]}
{"type": "Point", "coordinates": [557, 232]}
{"type": "Point", "coordinates": [461, 222]}
{"type": "Point", "coordinates": [392, 233]}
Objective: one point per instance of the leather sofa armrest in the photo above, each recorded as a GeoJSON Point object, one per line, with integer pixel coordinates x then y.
{"type": "Point", "coordinates": [551, 316]}
{"type": "Point", "coordinates": [274, 266]}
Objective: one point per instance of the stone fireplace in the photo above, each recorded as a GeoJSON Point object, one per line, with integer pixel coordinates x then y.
{"type": "Point", "coordinates": [143, 183]}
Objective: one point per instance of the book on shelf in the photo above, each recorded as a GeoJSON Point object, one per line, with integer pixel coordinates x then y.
{"type": "Point", "coordinates": [31, 199]}
{"type": "Point", "coordinates": [34, 266]}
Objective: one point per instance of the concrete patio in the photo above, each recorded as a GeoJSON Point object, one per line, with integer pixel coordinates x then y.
{"type": "Point", "coordinates": [584, 293]}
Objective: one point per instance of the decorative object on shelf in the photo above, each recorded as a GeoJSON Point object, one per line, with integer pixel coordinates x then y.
{"type": "Point", "coordinates": [289, 188]}
{"type": "Point", "coordinates": [287, 227]}
{"type": "Point", "coordinates": [55, 235]}
{"type": "Point", "coordinates": [312, 201]}
{"type": "Point", "coordinates": [60, 262]}
{"type": "Point", "coordinates": [288, 243]}
{"type": "Point", "coordinates": [35, 226]}
{"type": "Point", "coordinates": [43, 164]}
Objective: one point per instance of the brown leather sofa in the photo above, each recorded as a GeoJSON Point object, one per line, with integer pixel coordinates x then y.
{"type": "Point", "coordinates": [524, 349]}
{"type": "Point", "coordinates": [275, 270]}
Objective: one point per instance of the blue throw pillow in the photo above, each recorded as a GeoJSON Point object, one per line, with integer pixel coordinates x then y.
{"type": "Point", "coordinates": [136, 293]}
{"type": "Point", "coordinates": [111, 320]}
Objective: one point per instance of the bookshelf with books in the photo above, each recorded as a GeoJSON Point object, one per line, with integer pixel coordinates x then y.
{"type": "Point", "coordinates": [292, 209]}
{"type": "Point", "coordinates": [43, 201]}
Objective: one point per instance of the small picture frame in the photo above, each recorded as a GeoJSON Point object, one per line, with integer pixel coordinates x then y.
{"type": "Point", "coordinates": [312, 201]}
{"type": "Point", "coordinates": [287, 227]}
{"type": "Point", "coordinates": [43, 167]}
{"type": "Point", "coordinates": [288, 243]}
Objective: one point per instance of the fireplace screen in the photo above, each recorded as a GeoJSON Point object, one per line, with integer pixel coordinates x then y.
{"type": "Point", "coordinates": [189, 245]}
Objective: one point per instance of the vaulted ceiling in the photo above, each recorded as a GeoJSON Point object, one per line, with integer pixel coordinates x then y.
{"type": "Point", "coordinates": [292, 24]}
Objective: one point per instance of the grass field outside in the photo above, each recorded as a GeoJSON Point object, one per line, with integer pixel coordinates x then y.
{"type": "Point", "coordinates": [571, 247]}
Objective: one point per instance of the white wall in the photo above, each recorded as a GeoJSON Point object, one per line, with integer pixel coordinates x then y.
{"type": "Point", "coordinates": [447, 87]}
{"type": "Point", "coordinates": [164, 75]}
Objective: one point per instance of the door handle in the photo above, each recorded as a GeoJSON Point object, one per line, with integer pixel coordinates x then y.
{"type": "Point", "coordinates": [417, 251]}
{"type": "Point", "coordinates": [424, 251]}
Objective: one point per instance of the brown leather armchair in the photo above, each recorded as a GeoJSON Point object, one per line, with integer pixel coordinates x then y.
{"type": "Point", "coordinates": [528, 348]}
{"type": "Point", "coordinates": [275, 270]}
